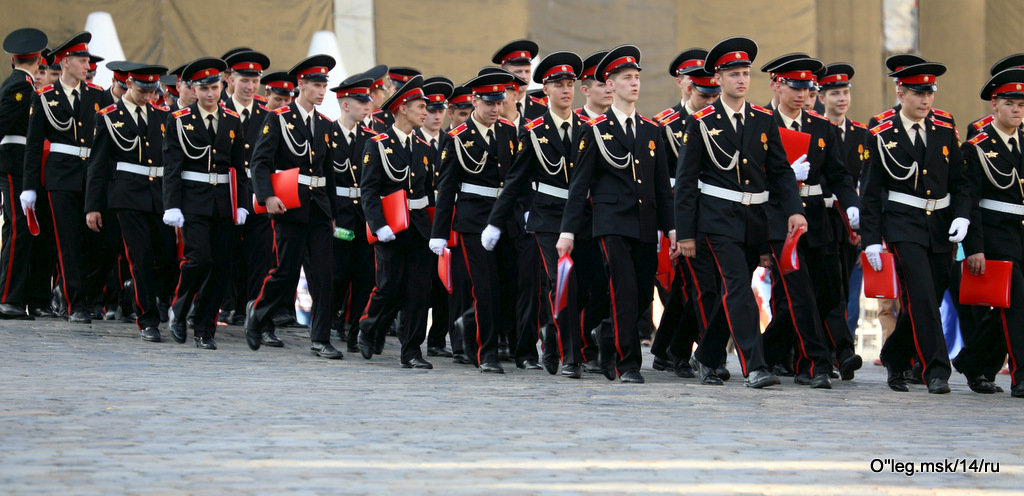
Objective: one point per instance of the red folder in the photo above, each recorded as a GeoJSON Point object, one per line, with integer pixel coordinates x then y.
{"type": "Point", "coordinates": [665, 271]}
{"type": "Point", "coordinates": [233, 185]}
{"type": "Point", "coordinates": [991, 289]}
{"type": "Point", "coordinates": [562, 283]}
{"type": "Point", "coordinates": [790, 262]}
{"type": "Point", "coordinates": [396, 214]}
{"type": "Point", "coordinates": [444, 269]}
{"type": "Point", "coordinates": [883, 283]}
{"type": "Point", "coordinates": [33, 223]}
{"type": "Point", "coordinates": [795, 143]}
{"type": "Point", "coordinates": [286, 188]}
{"type": "Point", "coordinates": [453, 239]}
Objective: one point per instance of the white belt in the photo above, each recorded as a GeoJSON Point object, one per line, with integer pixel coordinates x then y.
{"type": "Point", "coordinates": [205, 177]}
{"type": "Point", "coordinates": [916, 202]}
{"type": "Point", "coordinates": [77, 151]}
{"type": "Point", "coordinates": [312, 181]}
{"type": "Point", "coordinates": [140, 169]}
{"type": "Point", "coordinates": [550, 190]}
{"type": "Point", "coordinates": [248, 173]}
{"type": "Point", "coordinates": [480, 190]}
{"type": "Point", "coordinates": [346, 192]}
{"type": "Point", "coordinates": [672, 182]}
{"type": "Point", "coordinates": [417, 203]}
{"type": "Point", "coordinates": [810, 190]}
{"type": "Point", "coordinates": [998, 206]}
{"type": "Point", "coordinates": [830, 201]}
{"type": "Point", "coordinates": [11, 139]}
{"type": "Point", "coordinates": [732, 195]}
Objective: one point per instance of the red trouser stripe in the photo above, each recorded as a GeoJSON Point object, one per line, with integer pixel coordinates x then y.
{"type": "Point", "coordinates": [14, 236]}
{"type": "Point", "coordinates": [131, 270]}
{"type": "Point", "coordinates": [725, 306]}
{"type": "Point", "coordinates": [551, 303]}
{"type": "Point", "coordinates": [472, 291]}
{"type": "Point", "coordinates": [792, 314]}
{"type": "Point", "coordinates": [1009, 348]}
{"type": "Point", "coordinates": [615, 310]}
{"type": "Point", "coordinates": [60, 256]}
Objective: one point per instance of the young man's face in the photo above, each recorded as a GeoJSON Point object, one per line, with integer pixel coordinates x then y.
{"type": "Point", "coordinates": [356, 110]}
{"type": "Point", "coordinates": [560, 93]}
{"type": "Point", "coordinates": [275, 101]}
{"type": "Point", "coordinates": [186, 96]}
{"type": "Point", "coordinates": [434, 120]}
{"type": "Point", "coordinates": [734, 81]}
{"type": "Point", "coordinates": [792, 99]}
{"type": "Point", "coordinates": [245, 87]}
{"type": "Point", "coordinates": [51, 76]}
{"type": "Point", "coordinates": [487, 112]}
{"type": "Point", "coordinates": [524, 71]}
{"type": "Point", "coordinates": [415, 111]}
{"type": "Point", "coordinates": [378, 96]}
{"type": "Point", "coordinates": [139, 96]}
{"type": "Point", "coordinates": [916, 104]}
{"type": "Point", "coordinates": [685, 88]}
{"type": "Point", "coordinates": [625, 85]}
{"type": "Point", "coordinates": [1008, 112]}
{"type": "Point", "coordinates": [699, 100]}
{"type": "Point", "coordinates": [598, 94]}
{"type": "Point", "coordinates": [312, 91]}
{"type": "Point", "coordinates": [458, 115]}
{"type": "Point", "coordinates": [812, 97]}
{"type": "Point", "coordinates": [836, 101]}
{"type": "Point", "coordinates": [76, 66]}
{"type": "Point", "coordinates": [208, 95]}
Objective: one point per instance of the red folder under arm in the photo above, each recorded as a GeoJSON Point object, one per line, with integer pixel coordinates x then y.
{"type": "Point", "coordinates": [286, 189]}
{"type": "Point", "coordinates": [444, 269]}
{"type": "Point", "coordinates": [795, 143]}
{"type": "Point", "coordinates": [991, 289]}
{"type": "Point", "coordinates": [790, 262]}
{"type": "Point", "coordinates": [396, 214]}
{"type": "Point", "coordinates": [880, 284]}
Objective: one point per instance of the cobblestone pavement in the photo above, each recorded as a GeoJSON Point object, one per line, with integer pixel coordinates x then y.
{"type": "Point", "coordinates": [94, 410]}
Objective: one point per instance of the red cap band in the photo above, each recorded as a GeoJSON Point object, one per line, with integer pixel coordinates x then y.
{"type": "Point", "coordinates": [558, 69]}
{"type": "Point", "coordinates": [312, 70]}
{"type": "Point", "coordinates": [203, 74]}
{"type": "Point", "coordinates": [1009, 87]}
{"type": "Point", "coordinates": [516, 55]}
{"type": "Point", "coordinates": [436, 98]}
{"type": "Point", "coordinates": [732, 57]}
{"type": "Point", "coordinates": [619, 62]}
{"type": "Point", "coordinates": [401, 78]}
{"type": "Point", "coordinates": [247, 66]}
{"type": "Point", "coordinates": [81, 47]}
{"type": "Point", "coordinates": [797, 75]}
{"type": "Point", "coordinates": [921, 79]}
{"type": "Point", "coordinates": [120, 76]}
{"type": "Point", "coordinates": [461, 99]}
{"type": "Point", "coordinates": [284, 85]}
{"type": "Point", "coordinates": [409, 95]}
{"type": "Point", "coordinates": [689, 63]}
{"type": "Point", "coordinates": [588, 72]}
{"type": "Point", "coordinates": [352, 91]}
{"type": "Point", "coordinates": [491, 88]}
{"type": "Point", "coordinates": [703, 81]}
{"type": "Point", "coordinates": [145, 78]}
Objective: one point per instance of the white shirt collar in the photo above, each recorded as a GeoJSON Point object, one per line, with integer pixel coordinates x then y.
{"type": "Point", "coordinates": [558, 122]}
{"type": "Point", "coordinates": [483, 129]}
{"type": "Point", "coordinates": [402, 137]}
{"type": "Point", "coordinates": [730, 111]}
{"type": "Point", "coordinates": [428, 136]}
{"type": "Point", "coordinates": [689, 110]}
{"type": "Point", "coordinates": [1006, 137]}
{"type": "Point", "coordinates": [69, 89]}
{"type": "Point", "coordinates": [130, 107]}
{"type": "Point", "coordinates": [303, 114]}
{"type": "Point", "coordinates": [788, 122]}
{"type": "Point", "coordinates": [203, 114]}
{"type": "Point", "coordinates": [239, 107]}
{"type": "Point", "coordinates": [622, 116]}
{"type": "Point", "coordinates": [590, 113]}
{"type": "Point", "coordinates": [909, 124]}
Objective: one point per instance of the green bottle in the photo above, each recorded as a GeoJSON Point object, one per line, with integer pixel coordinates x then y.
{"type": "Point", "coordinates": [344, 234]}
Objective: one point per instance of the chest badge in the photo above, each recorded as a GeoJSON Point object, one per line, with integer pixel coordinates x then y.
{"type": "Point", "coordinates": [715, 132]}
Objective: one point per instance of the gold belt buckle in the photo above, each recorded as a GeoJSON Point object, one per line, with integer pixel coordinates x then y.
{"type": "Point", "coordinates": [213, 178]}
{"type": "Point", "coordinates": [83, 152]}
{"type": "Point", "coordinates": [746, 198]}
{"type": "Point", "coordinates": [929, 205]}
{"type": "Point", "coordinates": [153, 172]}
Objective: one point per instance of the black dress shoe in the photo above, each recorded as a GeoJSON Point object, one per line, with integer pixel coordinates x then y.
{"type": "Point", "coordinates": [760, 378]}
{"type": "Point", "coordinates": [938, 385]}
{"type": "Point", "coordinates": [461, 359]}
{"type": "Point", "coordinates": [570, 370]}
{"type": "Point", "coordinates": [849, 365]}
{"type": "Point", "coordinates": [781, 370]}
{"type": "Point", "coordinates": [529, 364]}
{"type": "Point", "coordinates": [378, 343]}
{"type": "Point", "coordinates": [438, 352]}
{"type": "Point", "coordinates": [254, 339]}
{"type": "Point", "coordinates": [491, 368]}
{"type": "Point", "coordinates": [591, 367]}
{"type": "Point", "coordinates": [981, 385]}
{"type": "Point", "coordinates": [151, 334]}
{"type": "Point", "coordinates": [270, 339]}
{"type": "Point", "coordinates": [352, 348]}
{"type": "Point", "coordinates": [9, 311]}
{"type": "Point", "coordinates": [178, 332]}
{"type": "Point", "coordinates": [365, 346]}
{"type": "Point", "coordinates": [325, 350]}
{"type": "Point", "coordinates": [80, 317]}
{"type": "Point", "coordinates": [549, 354]}
{"type": "Point", "coordinates": [42, 312]}
{"type": "Point", "coordinates": [205, 343]}
{"type": "Point", "coordinates": [417, 363]}
{"type": "Point", "coordinates": [632, 377]}
{"type": "Point", "coordinates": [662, 364]}
{"type": "Point", "coordinates": [683, 370]}
{"type": "Point", "coordinates": [821, 381]}
{"type": "Point", "coordinates": [1017, 391]}
{"type": "Point", "coordinates": [707, 375]}
{"type": "Point", "coordinates": [250, 319]}
{"type": "Point", "coordinates": [723, 373]}
{"type": "Point", "coordinates": [897, 380]}
{"type": "Point", "coordinates": [283, 319]}
{"type": "Point", "coordinates": [802, 379]}
{"type": "Point", "coordinates": [914, 375]}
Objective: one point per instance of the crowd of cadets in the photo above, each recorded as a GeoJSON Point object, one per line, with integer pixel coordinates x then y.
{"type": "Point", "coordinates": [165, 191]}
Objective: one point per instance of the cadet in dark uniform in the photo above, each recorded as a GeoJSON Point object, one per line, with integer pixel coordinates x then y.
{"type": "Point", "coordinates": [64, 114]}
{"type": "Point", "coordinates": [733, 159]}
{"type": "Point", "coordinates": [915, 197]}
{"type": "Point", "coordinates": [280, 88]}
{"type": "Point", "coordinates": [460, 107]}
{"type": "Point", "coordinates": [622, 162]}
{"type": "Point", "coordinates": [16, 95]}
{"type": "Point", "coordinates": [229, 84]}
{"type": "Point", "coordinates": [1009, 62]}
{"type": "Point", "coordinates": [896, 63]}
{"type": "Point", "coordinates": [474, 164]}
{"type": "Point", "coordinates": [380, 90]}
{"type": "Point", "coordinates": [769, 68]}
{"type": "Point", "coordinates": [125, 177]}
{"type": "Point", "coordinates": [297, 136]}
{"type": "Point", "coordinates": [516, 57]}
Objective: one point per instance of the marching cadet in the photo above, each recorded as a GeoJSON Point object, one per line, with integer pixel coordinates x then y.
{"type": "Point", "coordinates": [1009, 62]}
{"type": "Point", "coordinates": [380, 90]}
{"type": "Point", "coordinates": [896, 63]}
{"type": "Point", "coordinates": [733, 160]}
{"type": "Point", "coordinates": [39, 72]}
{"type": "Point", "coordinates": [60, 115]}
{"type": "Point", "coordinates": [170, 84]}
{"type": "Point", "coordinates": [186, 94]}
{"type": "Point", "coordinates": [53, 68]}
{"type": "Point", "coordinates": [119, 81]}
{"type": "Point", "coordinates": [804, 297]}
{"type": "Point", "coordinates": [474, 164]}
{"type": "Point", "coordinates": [769, 68]}
{"type": "Point", "coordinates": [399, 160]}
{"type": "Point", "coordinates": [598, 95]}
{"type": "Point", "coordinates": [621, 161]}
{"type": "Point", "coordinates": [396, 76]}
{"type": "Point", "coordinates": [915, 197]}
{"type": "Point", "coordinates": [203, 144]}
{"type": "Point", "coordinates": [16, 94]}
{"type": "Point", "coordinates": [125, 177]}
{"type": "Point", "coordinates": [280, 88]}
{"type": "Point", "coordinates": [297, 136]}
{"type": "Point", "coordinates": [543, 163]}
{"type": "Point", "coordinates": [254, 238]}
{"type": "Point", "coordinates": [460, 105]}
{"type": "Point", "coordinates": [229, 84]}
{"type": "Point", "coordinates": [516, 57]}
{"type": "Point", "coordinates": [994, 172]}
{"type": "Point", "coordinates": [353, 259]}
{"type": "Point", "coordinates": [94, 61]}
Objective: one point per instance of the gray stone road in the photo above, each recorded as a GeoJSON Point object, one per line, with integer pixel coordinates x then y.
{"type": "Point", "coordinates": [94, 410]}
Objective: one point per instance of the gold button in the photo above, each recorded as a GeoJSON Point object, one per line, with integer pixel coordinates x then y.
{"type": "Point", "coordinates": [214, 151]}
{"type": "Point", "coordinates": [927, 191]}
{"type": "Point", "coordinates": [636, 161]}
{"type": "Point", "coordinates": [927, 213]}
{"type": "Point", "coordinates": [805, 204]}
{"type": "Point", "coordinates": [355, 201]}
{"type": "Point", "coordinates": [641, 202]}
{"type": "Point", "coordinates": [150, 161]}
{"type": "Point", "coordinates": [925, 172]}
{"type": "Point", "coordinates": [744, 161]}
{"type": "Point", "coordinates": [311, 153]}
{"type": "Point", "coordinates": [413, 174]}
{"type": "Point", "coordinates": [639, 181]}
{"type": "Point", "coordinates": [79, 124]}
{"type": "Point", "coordinates": [247, 163]}
{"type": "Point", "coordinates": [355, 185]}
{"type": "Point", "coordinates": [747, 181]}
{"type": "Point", "coordinates": [83, 140]}
{"type": "Point", "coordinates": [247, 145]}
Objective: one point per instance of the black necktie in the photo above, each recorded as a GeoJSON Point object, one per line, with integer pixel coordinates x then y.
{"type": "Point", "coordinates": [918, 140]}
{"type": "Point", "coordinates": [245, 115]}
{"type": "Point", "coordinates": [492, 144]}
{"type": "Point", "coordinates": [565, 137]}
{"type": "Point", "coordinates": [408, 145]}
{"type": "Point", "coordinates": [309, 123]}
{"type": "Point", "coordinates": [139, 121]}
{"type": "Point", "coordinates": [739, 124]}
{"type": "Point", "coordinates": [1014, 151]}
{"type": "Point", "coordinates": [76, 102]}
{"type": "Point", "coordinates": [433, 143]}
{"type": "Point", "coordinates": [795, 126]}
{"type": "Point", "coordinates": [519, 108]}
{"type": "Point", "coordinates": [351, 138]}
{"type": "Point", "coordinates": [629, 127]}
{"type": "Point", "coordinates": [210, 129]}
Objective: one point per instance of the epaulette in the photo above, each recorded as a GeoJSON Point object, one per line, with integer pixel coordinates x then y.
{"type": "Point", "coordinates": [858, 124]}
{"type": "Point", "coordinates": [95, 86]}
{"type": "Point", "coordinates": [368, 130]}
{"type": "Point", "coordinates": [664, 113]}
{"type": "Point", "coordinates": [815, 114]}
{"type": "Point", "coordinates": [580, 113]}
{"type": "Point", "coordinates": [980, 123]}
{"type": "Point", "coordinates": [181, 112]}
{"type": "Point", "coordinates": [506, 121]}
{"type": "Point", "coordinates": [704, 112]}
{"type": "Point", "coordinates": [265, 108]}
{"type": "Point", "coordinates": [542, 101]}
{"type": "Point", "coordinates": [29, 79]}
{"type": "Point", "coordinates": [885, 115]}
{"type": "Point", "coordinates": [760, 109]}
{"type": "Point", "coordinates": [222, 104]}
{"type": "Point", "coordinates": [458, 130]}
{"type": "Point", "coordinates": [669, 119]}
{"type": "Point", "coordinates": [380, 137]}
{"type": "Point", "coordinates": [942, 113]}
{"type": "Point", "coordinates": [378, 119]}
{"type": "Point", "coordinates": [230, 112]}
{"type": "Point", "coordinates": [982, 136]}
{"type": "Point", "coordinates": [280, 110]}
{"type": "Point", "coordinates": [648, 119]}
{"type": "Point", "coordinates": [108, 108]}
{"type": "Point", "coordinates": [534, 123]}
{"type": "Point", "coordinates": [597, 120]}
{"type": "Point", "coordinates": [324, 117]}
{"type": "Point", "coordinates": [260, 98]}
{"type": "Point", "coordinates": [160, 107]}
{"type": "Point", "coordinates": [881, 127]}
{"type": "Point", "coordinates": [378, 111]}
{"type": "Point", "coordinates": [942, 124]}
{"type": "Point", "coordinates": [44, 89]}
{"type": "Point", "coordinates": [421, 140]}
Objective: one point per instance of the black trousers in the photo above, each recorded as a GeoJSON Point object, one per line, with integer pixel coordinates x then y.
{"type": "Point", "coordinates": [460, 301]}
{"type": "Point", "coordinates": [735, 312]}
{"type": "Point", "coordinates": [150, 249]}
{"type": "Point", "coordinates": [684, 319]}
{"type": "Point", "coordinates": [566, 323]}
{"type": "Point", "coordinates": [403, 278]}
{"type": "Point", "coordinates": [300, 245]}
{"type": "Point", "coordinates": [79, 250]}
{"type": "Point", "coordinates": [481, 319]}
{"type": "Point", "coordinates": [439, 320]}
{"type": "Point", "coordinates": [831, 288]}
{"type": "Point", "coordinates": [924, 277]}
{"type": "Point", "coordinates": [16, 246]}
{"type": "Point", "coordinates": [204, 271]}
{"type": "Point", "coordinates": [630, 265]}
{"type": "Point", "coordinates": [592, 299]}
{"type": "Point", "coordinates": [43, 267]}
{"type": "Point", "coordinates": [353, 281]}
{"type": "Point", "coordinates": [255, 241]}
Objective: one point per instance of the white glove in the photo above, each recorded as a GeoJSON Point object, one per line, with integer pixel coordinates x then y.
{"type": "Point", "coordinates": [526, 217]}
{"type": "Point", "coordinates": [958, 229]}
{"type": "Point", "coordinates": [853, 215]}
{"type": "Point", "coordinates": [437, 245]}
{"type": "Point", "coordinates": [28, 200]}
{"type": "Point", "coordinates": [801, 167]}
{"type": "Point", "coordinates": [241, 213]}
{"type": "Point", "coordinates": [385, 234]}
{"type": "Point", "coordinates": [173, 217]}
{"type": "Point", "coordinates": [489, 238]}
{"type": "Point", "coordinates": [874, 255]}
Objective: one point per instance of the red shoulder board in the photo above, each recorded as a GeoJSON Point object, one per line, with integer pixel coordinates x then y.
{"type": "Point", "coordinates": [260, 98]}
{"type": "Point", "coordinates": [181, 113]}
{"type": "Point", "coordinates": [161, 107]}
{"type": "Point", "coordinates": [760, 109]}
{"type": "Point", "coordinates": [664, 113]}
{"type": "Point", "coordinates": [579, 112]}
{"type": "Point", "coordinates": [230, 112]}
{"type": "Point", "coordinates": [458, 130]}
{"type": "Point", "coordinates": [978, 138]}
{"type": "Point", "coordinates": [648, 119]}
{"type": "Point", "coordinates": [222, 104]}
{"type": "Point", "coordinates": [265, 108]}
{"type": "Point", "coordinates": [506, 121]}
{"type": "Point", "coordinates": [942, 113]}
{"type": "Point", "coordinates": [108, 108]}
{"type": "Point", "coordinates": [380, 137]}
{"type": "Point", "coordinates": [815, 114]}
{"type": "Point", "coordinates": [375, 112]}
{"type": "Point", "coordinates": [597, 120]}
{"type": "Point", "coordinates": [378, 119]}
{"type": "Point", "coordinates": [368, 130]}
{"type": "Point", "coordinates": [534, 123]}
{"type": "Point", "coordinates": [942, 124]}
{"type": "Point", "coordinates": [669, 119]}
{"type": "Point", "coordinates": [881, 127]}
{"type": "Point", "coordinates": [542, 101]}
{"type": "Point", "coordinates": [885, 115]}
{"type": "Point", "coordinates": [280, 110]}
{"type": "Point", "coordinates": [324, 117]}
{"type": "Point", "coordinates": [858, 124]}
{"type": "Point", "coordinates": [95, 86]}
{"type": "Point", "coordinates": [45, 89]}
{"type": "Point", "coordinates": [29, 79]}
{"type": "Point", "coordinates": [421, 140]}
{"type": "Point", "coordinates": [980, 123]}
{"type": "Point", "coordinates": [704, 112]}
